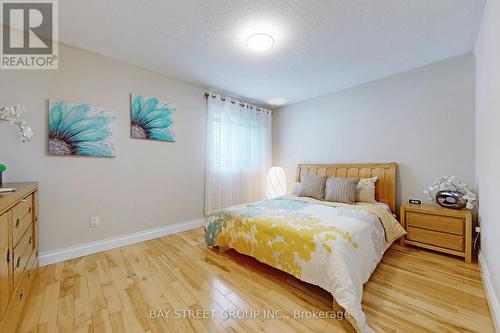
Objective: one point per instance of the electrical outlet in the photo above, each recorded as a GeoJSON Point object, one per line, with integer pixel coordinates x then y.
{"type": "Point", "coordinates": [94, 221]}
{"type": "Point", "coordinates": [478, 230]}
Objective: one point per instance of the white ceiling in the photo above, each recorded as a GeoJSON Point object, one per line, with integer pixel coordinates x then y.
{"type": "Point", "coordinates": [320, 45]}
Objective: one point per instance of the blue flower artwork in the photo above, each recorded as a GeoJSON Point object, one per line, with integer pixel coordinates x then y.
{"type": "Point", "coordinates": [80, 129]}
{"type": "Point", "coordinates": [151, 119]}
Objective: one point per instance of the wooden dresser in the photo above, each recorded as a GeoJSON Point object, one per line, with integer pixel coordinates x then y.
{"type": "Point", "coordinates": [18, 251]}
{"type": "Point", "coordinates": [440, 229]}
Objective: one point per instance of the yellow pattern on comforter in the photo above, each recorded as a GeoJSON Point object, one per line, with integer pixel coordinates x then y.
{"type": "Point", "coordinates": [335, 246]}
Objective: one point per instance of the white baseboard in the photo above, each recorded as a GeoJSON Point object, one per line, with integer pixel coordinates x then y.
{"type": "Point", "coordinates": [490, 292]}
{"type": "Point", "coordinates": [51, 257]}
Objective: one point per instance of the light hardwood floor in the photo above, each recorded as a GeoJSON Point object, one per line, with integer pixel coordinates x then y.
{"type": "Point", "coordinates": [411, 291]}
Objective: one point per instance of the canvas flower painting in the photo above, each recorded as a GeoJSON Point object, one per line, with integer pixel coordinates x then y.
{"type": "Point", "coordinates": [80, 129]}
{"type": "Point", "coordinates": [151, 119]}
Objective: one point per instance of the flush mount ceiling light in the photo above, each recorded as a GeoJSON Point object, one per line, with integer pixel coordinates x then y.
{"type": "Point", "coordinates": [260, 42]}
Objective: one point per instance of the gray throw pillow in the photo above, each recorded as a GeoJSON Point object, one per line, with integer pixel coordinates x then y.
{"type": "Point", "coordinates": [341, 189]}
{"type": "Point", "coordinates": [313, 186]}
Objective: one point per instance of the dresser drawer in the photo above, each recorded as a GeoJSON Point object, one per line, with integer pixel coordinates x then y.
{"type": "Point", "coordinates": [22, 253]}
{"type": "Point", "coordinates": [18, 251]}
{"type": "Point", "coordinates": [447, 224]}
{"type": "Point", "coordinates": [22, 217]}
{"type": "Point", "coordinates": [447, 241]}
{"type": "Point", "coordinates": [12, 316]}
{"type": "Point", "coordinates": [5, 263]}
{"type": "Point", "coordinates": [31, 271]}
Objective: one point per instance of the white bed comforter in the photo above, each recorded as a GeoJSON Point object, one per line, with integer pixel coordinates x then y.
{"type": "Point", "coordinates": [335, 246]}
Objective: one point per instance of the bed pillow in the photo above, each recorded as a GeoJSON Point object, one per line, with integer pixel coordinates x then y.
{"type": "Point", "coordinates": [365, 190]}
{"type": "Point", "coordinates": [313, 186]}
{"type": "Point", "coordinates": [296, 189]}
{"type": "Point", "coordinates": [341, 189]}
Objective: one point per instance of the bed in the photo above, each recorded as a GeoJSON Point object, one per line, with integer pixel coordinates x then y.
{"type": "Point", "coordinates": [333, 245]}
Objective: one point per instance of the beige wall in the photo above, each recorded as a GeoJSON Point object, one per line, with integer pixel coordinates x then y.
{"type": "Point", "coordinates": [487, 144]}
{"type": "Point", "coordinates": [148, 184]}
{"type": "Point", "coordinates": [422, 119]}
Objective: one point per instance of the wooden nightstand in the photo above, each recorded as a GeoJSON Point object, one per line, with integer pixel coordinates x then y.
{"type": "Point", "coordinates": [437, 228]}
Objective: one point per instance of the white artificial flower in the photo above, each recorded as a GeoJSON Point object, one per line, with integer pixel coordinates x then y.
{"type": "Point", "coordinates": [13, 114]}
{"type": "Point", "coordinates": [449, 183]}
{"type": "Point", "coordinates": [26, 134]}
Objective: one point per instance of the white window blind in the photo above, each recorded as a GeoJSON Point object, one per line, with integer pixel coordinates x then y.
{"type": "Point", "coordinates": [238, 152]}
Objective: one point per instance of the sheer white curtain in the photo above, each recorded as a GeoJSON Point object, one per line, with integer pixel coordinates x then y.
{"type": "Point", "coordinates": [238, 152]}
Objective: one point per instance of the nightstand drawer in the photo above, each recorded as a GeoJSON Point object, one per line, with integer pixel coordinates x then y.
{"type": "Point", "coordinates": [447, 224]}
{"type": "Point", "coordinates": [444, 240]}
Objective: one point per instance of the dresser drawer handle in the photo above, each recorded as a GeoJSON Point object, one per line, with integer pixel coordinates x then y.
{"type": "Point", "coordinates": [21, 295]}
{"type": "Point", "coordinates": [29, 242]}
{"type": "Point", "coordinates": [18, 263]}
{"type": "Point", "coordinates": [17, 223]}
{"type": "Point", "coordinates": [23, 200]}
{"type": "Point", "coordinates": [8, 256]}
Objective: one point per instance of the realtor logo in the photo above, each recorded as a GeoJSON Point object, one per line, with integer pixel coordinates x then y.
{"type": "Point", "coordinates": [29, 34]}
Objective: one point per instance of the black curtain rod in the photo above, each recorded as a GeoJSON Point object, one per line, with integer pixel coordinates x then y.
{"type": "Point", "coordinates": [233, 102]}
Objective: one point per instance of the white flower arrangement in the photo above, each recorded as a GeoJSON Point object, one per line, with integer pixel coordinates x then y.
{"type": "Point", "coordinates": [13, 114]}
{"type": "Point", "coordinates": [449, 183]}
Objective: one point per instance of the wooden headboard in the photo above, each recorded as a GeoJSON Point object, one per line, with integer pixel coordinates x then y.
{"type": "Point", "coordinates": [385, 187]}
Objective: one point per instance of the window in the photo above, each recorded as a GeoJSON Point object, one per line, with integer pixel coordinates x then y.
{"type": "Point", "coordinates": [238, 152]}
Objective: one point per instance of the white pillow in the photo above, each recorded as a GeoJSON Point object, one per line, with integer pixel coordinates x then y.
{"type": "Point", "coordinates": [296, 188]}
{"type": "Point", "coordinates": [365, 190]}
